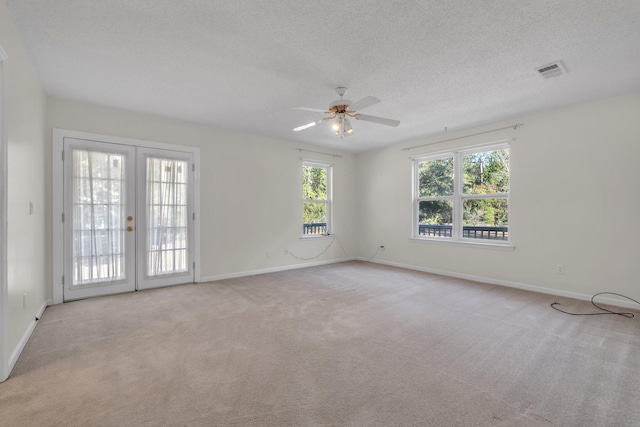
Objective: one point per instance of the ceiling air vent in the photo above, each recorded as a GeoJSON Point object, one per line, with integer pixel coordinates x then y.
{"type": "Point", "coordinates": [551, 70]}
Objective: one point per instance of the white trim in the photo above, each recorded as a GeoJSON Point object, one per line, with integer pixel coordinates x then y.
{"type": "Point", "coordinates": [4, 292]}
{"type": "Point", "coordinates": [57, 167]}
{"type": "Point", "coordinates": [58, 203]}
{"type": "Point", "coordinates": [271, 270]}
{"type": "Point", "coordinates": [470, 148]}
{"type": "Point", "coordinates": [316, 163]}
{"type": "Point", "coordinates": [492, 146]}
{"type": "Point", "coordinates": [27, 334]}
{"type": "Point", "coordinates": [440, 155]}
{"type": "Point", "coordinates": [506, 283]}
{"type": "Point", "coordinates": [66, 133]}
{"type": "Point", "coordinates": [466, 242]}
{"type": "Point", "coordinates": [316, 236]}
{"type": "Point", "coordinates": [196, 211]}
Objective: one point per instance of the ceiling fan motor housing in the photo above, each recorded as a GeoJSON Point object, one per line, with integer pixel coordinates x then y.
{"type": "Point", "coordinates": [339, 106]}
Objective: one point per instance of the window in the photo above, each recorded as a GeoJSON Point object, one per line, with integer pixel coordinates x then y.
{"type": "Point", "coordinates": [463, 196]}
{"type": "Point", "coordinates": [316, 195]}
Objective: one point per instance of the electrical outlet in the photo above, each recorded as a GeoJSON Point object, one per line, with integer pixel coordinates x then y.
{"type": "Point", "coordinates": [560, 269]}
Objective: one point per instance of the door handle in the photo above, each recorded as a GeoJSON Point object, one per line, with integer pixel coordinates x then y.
{"type": "Point", "coordinates": [129, 228]}
{"type": "Point", "coordinates": [129, 218]}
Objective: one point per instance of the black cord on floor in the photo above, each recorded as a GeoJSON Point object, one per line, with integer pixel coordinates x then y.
{"type": "Point", "coordinates": [606, 311]}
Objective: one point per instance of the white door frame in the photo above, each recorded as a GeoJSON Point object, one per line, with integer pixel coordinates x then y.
{"type": "Point", "coordinates": [4, 292]}
{"type": "Point", "coordinates": [58, 206]}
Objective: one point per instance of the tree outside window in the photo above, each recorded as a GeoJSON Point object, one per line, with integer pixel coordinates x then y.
{"type": "Point", "coordinates": [316, 194]}
{"type": "Point", "coordinates": [463, 195]}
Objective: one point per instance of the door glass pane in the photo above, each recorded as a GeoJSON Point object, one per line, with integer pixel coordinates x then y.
{"type": "Point", "coordinates": [167, 216]}
{"type": "Point", "coordinates": [98, 236]}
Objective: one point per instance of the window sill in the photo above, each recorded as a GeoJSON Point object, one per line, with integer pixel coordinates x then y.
{"type": "Point", "coordinates": [317, 236]}
{"type": "Point", "coordinates": [465, 243]}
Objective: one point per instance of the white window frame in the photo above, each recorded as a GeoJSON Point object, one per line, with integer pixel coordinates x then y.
{"type": "Point", "coordinates": [458, 197]}
{"type": "Point", "coordinates": [328, 201]}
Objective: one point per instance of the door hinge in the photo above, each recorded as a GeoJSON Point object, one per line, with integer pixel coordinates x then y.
{"type": "Point", "coordinates": [194, 216]}
{"type": "Point", "coordinates": [62, 216]}
{"type": "Point", "coordinates": [193, 167]}
{"type": "Point", "coordinates": [63, 279]}
{"type": "Point", "coordinates": [194, 265]}
{"type": "Point", "coordinates": [62, 155]}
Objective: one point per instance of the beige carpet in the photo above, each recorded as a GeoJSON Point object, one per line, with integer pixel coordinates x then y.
{"type": "Point", "coordinates": [351, 344]}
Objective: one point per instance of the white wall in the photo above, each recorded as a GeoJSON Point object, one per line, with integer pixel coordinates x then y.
{"type": "Point", "coordinates": [27, 249]}
{"type": "Point", "coordinates": [251, 200]}
{"type": "Point", "coordinates": [574, 201]}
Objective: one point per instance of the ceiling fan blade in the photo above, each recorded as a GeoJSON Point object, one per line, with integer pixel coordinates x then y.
{"type": "Point", "coordinates": [313, 110]}
{"type": "Point", "coordinates": [365, 102]}
{"type": "Point", "coordinates": [376, 119]}
{"type": "Point", "coordinates": [308, 125]}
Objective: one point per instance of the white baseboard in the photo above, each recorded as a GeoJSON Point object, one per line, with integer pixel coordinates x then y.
{"type": "Point", "coordinates": [270, 270]}
{"type": "Point", "coordinates": [523, 286]}
{"type": "Point", "coordinates": [27, 334]}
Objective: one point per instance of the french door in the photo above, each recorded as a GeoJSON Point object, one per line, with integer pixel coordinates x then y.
{"type": "Point", "coordinates": [128, 218]}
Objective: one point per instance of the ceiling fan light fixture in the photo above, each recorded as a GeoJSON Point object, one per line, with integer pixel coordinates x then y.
{"type": "Point", "coordinates": [338, 125]}
{"type": "Point", "coordinates": [347, 126]}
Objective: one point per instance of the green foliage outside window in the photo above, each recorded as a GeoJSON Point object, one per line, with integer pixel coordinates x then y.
{"type": "Point", "coordinates": [436, 179]}
{"type": "Point", "coordinates": [486, 173]}
{"type": "Point", "coordinates": [483, 173]}
{"type": "Point", "coordinates": [314, 192]}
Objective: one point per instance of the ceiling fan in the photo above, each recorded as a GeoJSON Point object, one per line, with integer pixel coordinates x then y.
{"type": "Point", "coordinates": [341, 110]}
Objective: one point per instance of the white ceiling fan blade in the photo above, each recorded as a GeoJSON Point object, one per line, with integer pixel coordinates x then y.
{"type": "Point", "coordinates": [307, 126]}
{"type": "Point", "coordinates": [376, 119]}
{"type": "Point", "coordinates": [365, 102]}
{"type": "Point", "coordinates": [313, 110]}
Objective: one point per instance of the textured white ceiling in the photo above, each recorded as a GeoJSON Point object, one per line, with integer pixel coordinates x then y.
{"type": "Point", "coordinates": [244, 64]}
